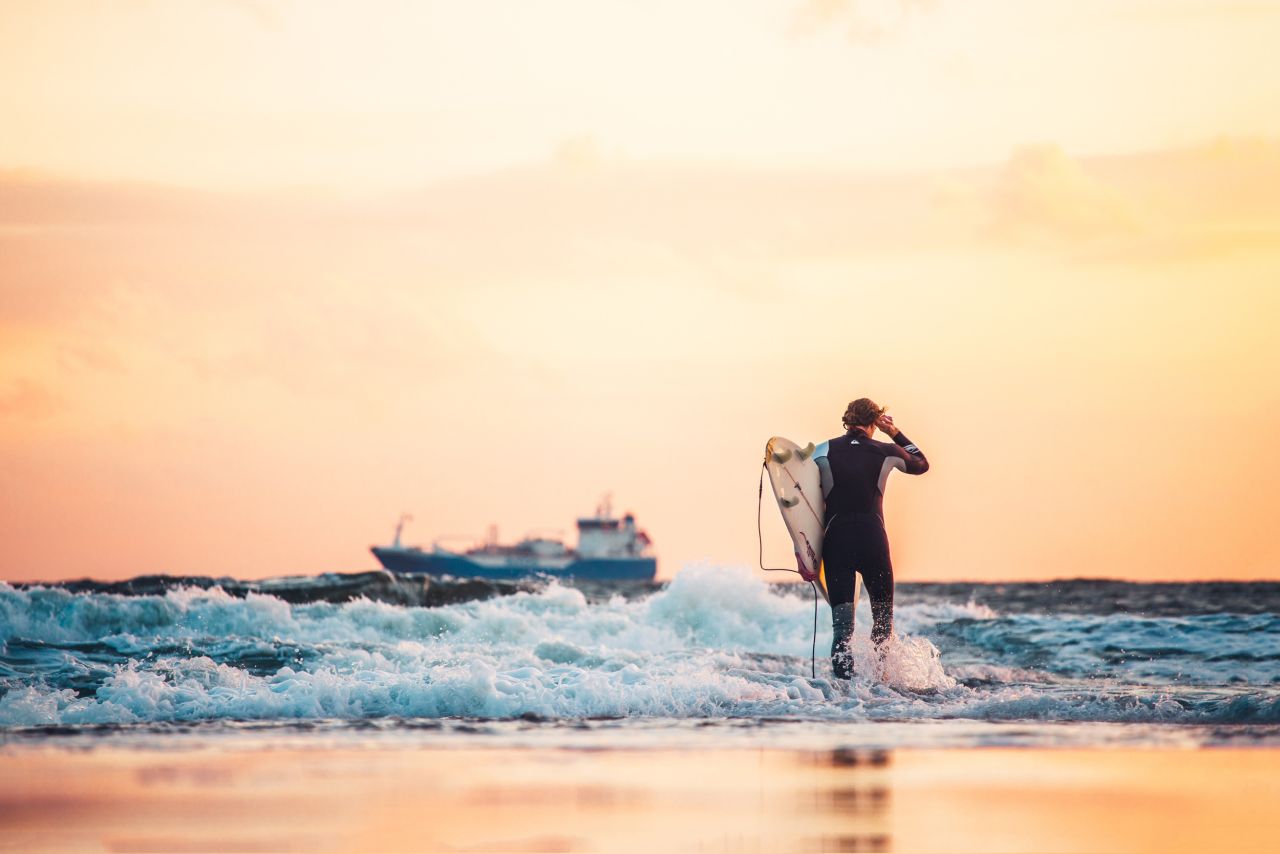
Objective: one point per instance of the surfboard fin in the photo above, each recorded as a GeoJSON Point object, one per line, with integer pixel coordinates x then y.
{"type": "Point", "coordinates": [781, 456]}
{"type": "Point", "coordinates": [806, 452]}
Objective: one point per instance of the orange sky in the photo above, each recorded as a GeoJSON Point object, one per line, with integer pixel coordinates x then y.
{"type": "Point", "coordinates": [271, 273]}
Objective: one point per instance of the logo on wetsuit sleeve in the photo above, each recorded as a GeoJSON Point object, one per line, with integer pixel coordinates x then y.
{"type": "Point", "coordinates": [911, 449]}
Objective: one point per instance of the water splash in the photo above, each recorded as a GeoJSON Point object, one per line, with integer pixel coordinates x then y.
{"type": "Point", "coordinates": [716, 643]}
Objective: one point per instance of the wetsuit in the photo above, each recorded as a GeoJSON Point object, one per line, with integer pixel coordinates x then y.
{"type": "Point", "coordinates": [854, 470]}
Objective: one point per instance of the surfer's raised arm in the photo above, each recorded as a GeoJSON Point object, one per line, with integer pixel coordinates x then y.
{"type": "Point", "coordinates": [911, 459]}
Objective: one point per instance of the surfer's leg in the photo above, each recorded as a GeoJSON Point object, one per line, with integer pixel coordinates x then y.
{"type": "Point", "coordinates": [841, 638]}
{"type": "Point", "coordinates": [877, 577]}
{"type": "Point", "coordinates": [881, 608]}
{"type": "Point", "coordinates": [841, 588]}
{"type": "Point", "coordinates": [880, 590]}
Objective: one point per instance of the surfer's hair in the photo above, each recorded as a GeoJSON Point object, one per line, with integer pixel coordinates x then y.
{"type": "Point", "coordinates": [862, 412]}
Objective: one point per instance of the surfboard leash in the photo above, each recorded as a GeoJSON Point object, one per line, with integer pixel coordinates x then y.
{"type": "Point", "coordinates": [813, 653]}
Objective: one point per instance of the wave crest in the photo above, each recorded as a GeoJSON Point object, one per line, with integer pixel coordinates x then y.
{"type": "Point", "coordinates": [716, 642]}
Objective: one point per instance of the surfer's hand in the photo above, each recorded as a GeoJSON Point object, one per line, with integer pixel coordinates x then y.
{"type": "Point", "coordinates": [806, 573]}
{"type": "Point", "coordinates": [885, 423]}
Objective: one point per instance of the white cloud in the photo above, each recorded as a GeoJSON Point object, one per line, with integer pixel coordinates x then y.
{"type": "Point", "coordinates": [864, 22]}
{"type": "Point", "coordinates": [1042, 193]}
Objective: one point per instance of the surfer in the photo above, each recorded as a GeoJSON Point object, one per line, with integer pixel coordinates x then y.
{"type": "Point", "coordinates": [854, 468]}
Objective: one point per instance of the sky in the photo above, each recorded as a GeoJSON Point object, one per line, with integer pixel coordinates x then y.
{"type": "Point", "coordinates": [273, 273]}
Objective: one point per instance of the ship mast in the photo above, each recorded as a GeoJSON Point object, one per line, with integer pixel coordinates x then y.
{"type": "Point", "coordinates": [404, 517]}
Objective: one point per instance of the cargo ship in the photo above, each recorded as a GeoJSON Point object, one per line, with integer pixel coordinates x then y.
{"type": "Point", "coordinates": [608, 549]}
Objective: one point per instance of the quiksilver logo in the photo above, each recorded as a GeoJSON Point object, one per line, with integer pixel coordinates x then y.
{"type": "Point", "coordinates": [912, 448]}
{"type": "Point", "coordinates": [853, 441]}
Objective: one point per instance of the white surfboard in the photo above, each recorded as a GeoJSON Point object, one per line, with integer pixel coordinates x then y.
{"type": "Point", "coordinates": [797, 486]}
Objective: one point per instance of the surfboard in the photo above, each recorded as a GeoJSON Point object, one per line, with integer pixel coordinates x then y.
{"type": "Point", "coordinates": [797, 486]}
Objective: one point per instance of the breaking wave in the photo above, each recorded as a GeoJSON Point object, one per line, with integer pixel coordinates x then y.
{"type": "Point", "coordinates": [715, 643]}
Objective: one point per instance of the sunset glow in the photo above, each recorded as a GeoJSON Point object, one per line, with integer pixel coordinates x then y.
{"type": "Point", "coordinates": [273, 273]}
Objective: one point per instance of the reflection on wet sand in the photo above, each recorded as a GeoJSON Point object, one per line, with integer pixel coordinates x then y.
{"type": "Point", "coordinates": [378, 799]}
{"type": "Point", "coordinates": [855, 797]}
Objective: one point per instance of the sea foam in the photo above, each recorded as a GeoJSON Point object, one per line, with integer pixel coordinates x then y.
{"type": "Point", "coordinates": [715, 643]}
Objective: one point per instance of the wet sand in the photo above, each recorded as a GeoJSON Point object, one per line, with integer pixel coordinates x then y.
{"type": "Point", "coordinates": [471, 799]}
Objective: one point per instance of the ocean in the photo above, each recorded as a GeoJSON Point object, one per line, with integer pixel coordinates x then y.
{"type": "Point", "coordinates": [715, 657]}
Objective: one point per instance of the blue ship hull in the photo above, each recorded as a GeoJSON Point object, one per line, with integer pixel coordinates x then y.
{"type": "Point", "coordinates": [459, 566]}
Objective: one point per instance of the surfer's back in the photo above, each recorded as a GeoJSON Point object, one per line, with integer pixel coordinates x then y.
{"type": "Point", "coordinates": [854, 470]}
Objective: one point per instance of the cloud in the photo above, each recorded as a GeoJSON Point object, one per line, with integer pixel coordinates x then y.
{"type": "Point", "coordinates": [25, 398]}
{"type": "Point", "coordinates": [578, 152]}
{"type": "Point", "coordinates": [107, 284]}
{"type": "Point", "coordinates": [397, 264]}
{"type": "Point", "coordinates": [1144, 208]}
{"type": "Point", "coordinates": [1043, 194]}
{"type": "Point", "coordinates": [864, 22]}
{"type": "Point", "coordinates": [267, 14]}
{"type": "Point", "coordinates": [257, 365]}
{"type": "Point", "coordinates": [1164, 9]}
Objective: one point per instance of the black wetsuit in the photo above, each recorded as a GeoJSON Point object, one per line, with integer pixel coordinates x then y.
{"type": "Point", "coordinates": [854, 470]}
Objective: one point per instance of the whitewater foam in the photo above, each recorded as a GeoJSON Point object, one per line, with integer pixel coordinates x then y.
{"type": "Point", "coordinates": [716, 643]}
